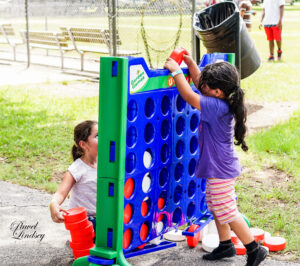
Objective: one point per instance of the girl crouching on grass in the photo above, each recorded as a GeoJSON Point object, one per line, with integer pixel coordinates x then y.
{"type": "Point", "coordinates": [81, 176]}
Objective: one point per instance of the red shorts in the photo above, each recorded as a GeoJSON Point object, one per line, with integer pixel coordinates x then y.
{"type": "Point", "coordinates": [273, 33]}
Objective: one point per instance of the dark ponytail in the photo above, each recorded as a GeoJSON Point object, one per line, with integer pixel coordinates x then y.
{"type": "Point", "coordinates": [238, 108]}
{"type": "Point", "coordinates": [81, 132]}
{"type": "Point", "coordinates": [224, 76]}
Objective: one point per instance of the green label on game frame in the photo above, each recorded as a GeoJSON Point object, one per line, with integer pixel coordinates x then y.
{"type": "Point", "coordinates": [140, 82]}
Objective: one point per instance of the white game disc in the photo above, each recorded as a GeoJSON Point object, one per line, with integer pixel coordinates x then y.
{"type": "Point", "coordinates": [174, 236]}
{"type": "Point", "coordinates": [146, 182]}
{"type": "Point", "coordinates": [210, 242]}
{"type": "Point", "coordinates": [212, 228]}
{"type": "Point", "coordinates": [203, 232]}
{"type": "Point", "coordinates": [147, 159]}
{"type": "Point", "coordinates": [159, 227]}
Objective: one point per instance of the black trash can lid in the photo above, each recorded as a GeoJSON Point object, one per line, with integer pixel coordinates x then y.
{"type": "Point", "coordinates": [213, 16]}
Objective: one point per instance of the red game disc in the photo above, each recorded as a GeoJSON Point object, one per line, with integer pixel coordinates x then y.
{"type": "Point", "coordinates": [240, 249]}
{"type": "Point", "coordinates": [128, 188]}
{"type": "Point", "coordinates": [75, 215]}
{"type": "Point", "coordinates": [144, 208]}
{"type": "Point", "coordinates": [127, 214]}
{"type": "Point", "coordinates": [258, 234]}
{"type": "Point", "coordinates": [193, 241]}
{"type": "Point", "coordinates": [127, 238]}
{"type": "Point", "coordinates": [161, 203]}
{"type": "Point", "coordinates": [177, 54]}
{"type": "Point", "coordinates": [275, 243]}
{"type": "Point", "coordinates": [144, 232]}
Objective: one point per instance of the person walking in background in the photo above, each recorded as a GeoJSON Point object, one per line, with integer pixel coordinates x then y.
{"type": "Point", "coordinates": [272, 16]}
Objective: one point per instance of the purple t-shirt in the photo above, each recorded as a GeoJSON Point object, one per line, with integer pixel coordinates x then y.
{"type": "Point", "coordinates": [217, 156]}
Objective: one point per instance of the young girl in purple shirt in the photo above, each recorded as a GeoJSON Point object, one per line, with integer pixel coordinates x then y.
{"type": "Point", "coordinates": [223, 117]}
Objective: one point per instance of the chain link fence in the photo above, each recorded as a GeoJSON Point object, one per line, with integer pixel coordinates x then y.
{"type": "Point", "coordinates": [151, 29]}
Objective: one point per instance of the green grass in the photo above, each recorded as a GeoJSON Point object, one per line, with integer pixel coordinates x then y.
{"type": "Point", "coordinates": [36, 134]}
{"type": "Point", "coordinates": [36, 129]}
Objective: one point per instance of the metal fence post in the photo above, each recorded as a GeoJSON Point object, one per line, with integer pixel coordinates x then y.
{"type": "Point", "coordinates": [27, 33]}
{"type": "Point", "coordinates": [112, 14]}
{"type": "Point", "coordinates": [193, 37]}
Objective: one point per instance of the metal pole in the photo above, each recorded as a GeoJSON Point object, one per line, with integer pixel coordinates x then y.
{"type": "Point", "coordinates": [193, 31]}
{"type": "Point", "coordinates": [27, 33]}
{"type": "Point", "coordinates": [114, 27]}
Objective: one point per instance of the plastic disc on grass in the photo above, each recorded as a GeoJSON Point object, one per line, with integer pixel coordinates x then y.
{"type": "Point", "coordinates": [275, 243]}
{"type": "Point", "coordinates": [258, 234]}
{"type": "Point", "coordinates": [193, 241]}
{"type": "Point", "coordinates": [210, 242]}
{"type": "Point", "coordinates": [175, 236]}
{"type": "Point", "coordinates": [240, 249]}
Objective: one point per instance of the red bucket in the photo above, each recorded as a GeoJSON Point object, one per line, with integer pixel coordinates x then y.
{"type": "Point", "coordinates": [81, 245]}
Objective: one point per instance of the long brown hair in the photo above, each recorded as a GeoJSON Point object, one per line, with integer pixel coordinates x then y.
{"type": "Point", "coordinates": [81, 132]}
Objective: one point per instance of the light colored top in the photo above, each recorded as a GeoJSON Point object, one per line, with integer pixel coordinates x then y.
{"type": "Point", "coordinates": [84, 191]}
{"type": "Point", "coordinates": [272, 11]}
{"type": "Point", "coordinates": [217, 157]}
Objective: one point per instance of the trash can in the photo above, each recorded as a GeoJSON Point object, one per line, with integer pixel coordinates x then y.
{"type": "Point", "coordinates": [222, 30]}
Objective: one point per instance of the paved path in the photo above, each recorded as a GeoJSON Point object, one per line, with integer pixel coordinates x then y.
{"type": "Point", "coordinates": [47, 246]}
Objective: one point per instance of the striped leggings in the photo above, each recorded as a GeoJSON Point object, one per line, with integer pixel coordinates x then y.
{"type": "Point", "coordinates": [221, 199]}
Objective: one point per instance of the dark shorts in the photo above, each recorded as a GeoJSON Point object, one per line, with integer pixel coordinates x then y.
{"type": "Point", "coordinates": [93, 220]}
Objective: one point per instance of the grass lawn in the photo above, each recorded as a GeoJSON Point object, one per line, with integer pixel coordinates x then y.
{"type": "Point", "coordinates": [36, 136]}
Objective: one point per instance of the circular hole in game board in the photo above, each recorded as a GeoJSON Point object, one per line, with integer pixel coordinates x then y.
{"type": "Point", "coordinates": [177, 216]}
{"type": "Point", "coordinates": [191, 209]}
{"type": "Point", "coordinates": [128, 188]}
{"type": "Point", "coordinates": [194, 122]}
{"type": "Point", "coordinates": [180, 125]}
{"type": "Point", "coordinates": [165, 129]}
{"type": "Point", "coordinates": [132, 110]}
{"type": "Point", "coordinates": [127, 238]}
{"type": "Point", "coordinates": [203, 184]}
{"type": "Point", "coordinates": [178, 192]}
{"type": "Point", "coordinates": [179, 148]}
{"type": "Point", "coordinates": [163, 176]}
{"type": "Point", "coordinates": [146, 206]}
{"type": "Point", "coordinates": [131, 137]}
{"type": "Point", "coordinates": [128, 212]}
{"type": "Point", "coordinates": [130, 162]}
{"type": "Point", "coordinates": [148, 158]}
{"type": "Point", "coordinates": [164, 153]}
{"type": "Point", "coordinates": [162, 222]}
{"type": "Point", "coordinates": [162, 199]}
{"type": "Point", "coordinates": [149, 108]}
{"type": "Point", "coordinates": [146, 184]}
{"type": "Point", "coordinates": [192, 166]}
{"type": "Point", "coordinates": [165, 105]}
{"type": "Point", "coordinates": [192, 188]}
{"type": "Point", "coordinates": [149, 133]}
{"type": "Point", "coordinates": [180, 103]}
{"type": "Point", "coordinates": [178, 174]}
{"type": "Point", "coordinates": [193, 144]}
{"type": "Point", "coordinates": [144, 231]}
{"type": "Point", "coordinates": [203, 205]}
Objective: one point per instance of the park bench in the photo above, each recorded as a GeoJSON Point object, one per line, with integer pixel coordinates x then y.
{"type": "Point", "coordinates": [8, 36]}
{"type": "Point", "coordinates": [49, 41]}
{"type": "Point", "coordinates": [89, 40]}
